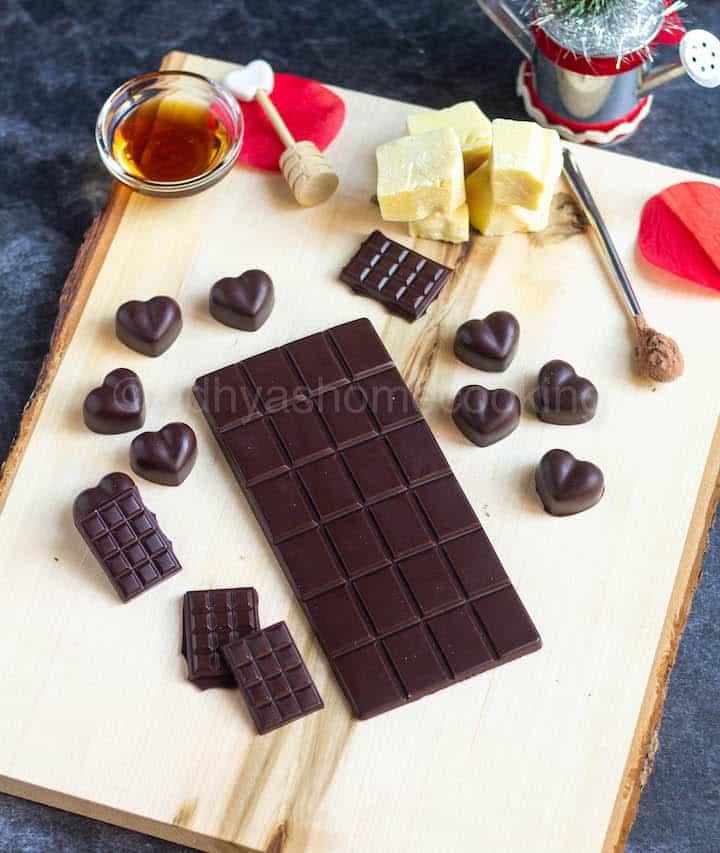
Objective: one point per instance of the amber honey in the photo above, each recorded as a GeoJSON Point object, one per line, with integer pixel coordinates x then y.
{"type": "Point", "coordinates": [170, 140]}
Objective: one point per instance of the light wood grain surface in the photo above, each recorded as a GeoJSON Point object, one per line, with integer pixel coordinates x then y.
{"type": "Point", "coordinates": [544, 754]}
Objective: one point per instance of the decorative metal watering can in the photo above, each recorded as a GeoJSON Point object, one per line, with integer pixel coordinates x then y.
{"type": "Point", "coordinates": [591, 79]}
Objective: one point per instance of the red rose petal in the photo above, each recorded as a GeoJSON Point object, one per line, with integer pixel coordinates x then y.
{"type": "Point", "coordinates": [310, 110]}
{"type": "Point", "coordinates": [680, 232]}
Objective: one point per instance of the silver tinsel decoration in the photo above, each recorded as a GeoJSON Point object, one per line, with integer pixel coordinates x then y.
{"type": "Point", "coordinates": [627, 26]}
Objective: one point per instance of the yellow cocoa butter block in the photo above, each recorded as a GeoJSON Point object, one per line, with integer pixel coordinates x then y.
{"type": "Point", "coordinates": [472, 126]}
{"type": "Point", "coordinates": [497, 220]}
{"type": "Point", "coordinates": [452, 227]}
{"type": "Point", "coordinates": [419, 175]}
{"type": "Point", "coordinates": [521, 160]}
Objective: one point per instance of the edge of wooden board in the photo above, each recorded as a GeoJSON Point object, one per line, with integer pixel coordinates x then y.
{"type": "Point", "coordinates": [73, 297]}
{"type": "Point", "coordinates": [174, 832]}
{"type": "Point", "coordinates": [638, 767]}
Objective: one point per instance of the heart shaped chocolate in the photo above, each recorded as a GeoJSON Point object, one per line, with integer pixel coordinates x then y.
{"type": "Point", "coordinates": [488, 344]}
{"type": "Point", "coordinates": [563, 397]}
{"type": "Point", "coordinates": [149, 327]}
{"type": "Point", "coordinates": [244, 302]}
{"type": "Point", "coordinates": [486, 416]}
{"type": "Point", "coordinates": [166, 456]}
{"type": "Point", "coordinates": [566, 485]}
{"type": "Point", "coordinates": [109, 487]}
{"type": "Point", "coordinates": [118, 405]}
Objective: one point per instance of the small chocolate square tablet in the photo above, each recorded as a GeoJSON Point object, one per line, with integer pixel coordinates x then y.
{"type": "Point", "coordinates": [273, 677]}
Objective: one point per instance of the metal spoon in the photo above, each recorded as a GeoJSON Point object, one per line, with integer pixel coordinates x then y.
{"type": "Point", "coordinates": [658, 356]}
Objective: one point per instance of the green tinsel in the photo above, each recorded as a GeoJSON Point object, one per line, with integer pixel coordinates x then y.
{"type": "Point", "coordinates": [582, 7]}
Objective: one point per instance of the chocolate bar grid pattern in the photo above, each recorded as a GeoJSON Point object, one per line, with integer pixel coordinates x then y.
{"type": "Point", "coordinates": [125, 538]}
{"type": "Point", "coordinates": [402, 279]}
{"type": "Point", "coordinates": [273, 677]}
{"type": "Point", "coordinates": [380, 544]}
{"type": "Point", "coordinates": [212, 619]}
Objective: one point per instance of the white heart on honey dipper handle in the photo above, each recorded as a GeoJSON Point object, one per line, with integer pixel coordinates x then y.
{"type": "Point", "coordinates": [310, 177]}
{"type": "Point", "coordinates": [245, 82]}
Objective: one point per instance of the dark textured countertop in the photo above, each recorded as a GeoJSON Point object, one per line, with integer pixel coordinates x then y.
{"type": "Point", "coordinates": [60, 59]}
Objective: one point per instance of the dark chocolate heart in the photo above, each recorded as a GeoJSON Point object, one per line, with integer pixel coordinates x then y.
{"type": "Point", "coordinates": [488, 344]}
{"type": "Point", "coordinates": [149, 327]}
{"type": "Point", "coordinates": [563, 397]}
{"type": "Point", "coordinates": [108, 487]}
{"type": "Point", "coordinates": [567, 486]}
{"type": "Point", "coordinates": [166, 456]}
{"type": "Point", "coordinates": [486, 416]}
{"type": "Point", "coordinates": [118, 405]}
{"type": "Point", "coordinates": [244, 302]}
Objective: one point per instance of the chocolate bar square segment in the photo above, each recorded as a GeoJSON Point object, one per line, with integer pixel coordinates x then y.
{"type": "Point", "coordinates": [374, 470]}
{"type": "Point", "coordinates": [417, 661]}
{"type": "Point", "coordinates": [133, 556]}
{"type": "Point", "coordinates": [317, 364]}
{"type": "Point", "coordinates": [273, 678]}
{"type": "Point", "coordinates": [283, 507]}
{"type": "Point", "coordinates": [475, 563]}
{"type": "Point", "coordinates": [386, 600]}
{"type": "Point", "coordinates": [507, 623]}
{"type": "Point", "coordinates": [211, 619]}
{"type": "Point", "coordinates": [461, 642]}
{"type": "Point", "coordinates": [255, 452]}
{"type": "Point", "coordinates": [338, 621]}
{"type": "Point", "coordinates": [330, 488]}
{"type": "Point", "coordinates": [418, 453]}
{"type": "Point", "coordinates": [274, 379]}
{"type": "Point", "coordinates": [447, 508]}
{"type": "Point", "coordinates": [130, 585]}
{"type": "Point", "coordinates": [389, 399]}
{"type": "Point", "coordinates": [369, 682]}
{"type": "Point", "coordinates": [302, 433]}
{"type": "Point", "coordinates": [357, 542]}
{"type": "Point", "coordinates": [311, 564]}
{"type": "Point", "coordinates": [431, 582]}
{"type": "Point", "coordinates": [141, 524]}
{"type": "Point", "coordinates": [361, 348]}
{"type": "Point", "coordinates": [345, 414]}
{"type": "Point", "coordinates": [402, 526]}
{"type": "Point", "coordinates": [226, 398]}
{"type": "Point", "coordinates": [403, 280]}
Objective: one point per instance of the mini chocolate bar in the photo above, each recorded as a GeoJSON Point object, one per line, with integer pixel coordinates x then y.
{"type": "Point", "coordinates": [404, 280]}
{"type": "Point", "coordinates": [124, 536]}
{"type": "Point", "coordinates": [374, 533]}
{"type": "Point", "coordinates": [212, 618]}
{"type": "Point", "coordinates": [273, 677]}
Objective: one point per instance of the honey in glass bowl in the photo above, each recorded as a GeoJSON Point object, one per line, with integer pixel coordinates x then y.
{"type": "Point", "coordinates": [170, 133]}
{"type": "Point", "coordinates": [170, 140]}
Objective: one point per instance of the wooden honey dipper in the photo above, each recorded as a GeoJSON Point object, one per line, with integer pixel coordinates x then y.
{"type": "Point", "coordinates": [310, 177]}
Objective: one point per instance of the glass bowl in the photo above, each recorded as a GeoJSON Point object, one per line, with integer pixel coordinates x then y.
{"type": "Point", "coordinates": [178, 94]}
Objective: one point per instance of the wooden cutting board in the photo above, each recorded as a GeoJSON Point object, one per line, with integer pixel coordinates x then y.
{"type": "Point", "coordinates": [545, 754]}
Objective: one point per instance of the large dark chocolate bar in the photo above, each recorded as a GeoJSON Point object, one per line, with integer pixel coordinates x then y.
{"type": "Point", "coordinates": [273, 677]}
{"type": "Point", "coordinates": [380, 544]}
{"type": "Point", "coordinates": [402, 279]}
{"type": "Point", "coordinates": [213, 618]}
{"type": "Point", "coordinates": [124, 535]}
